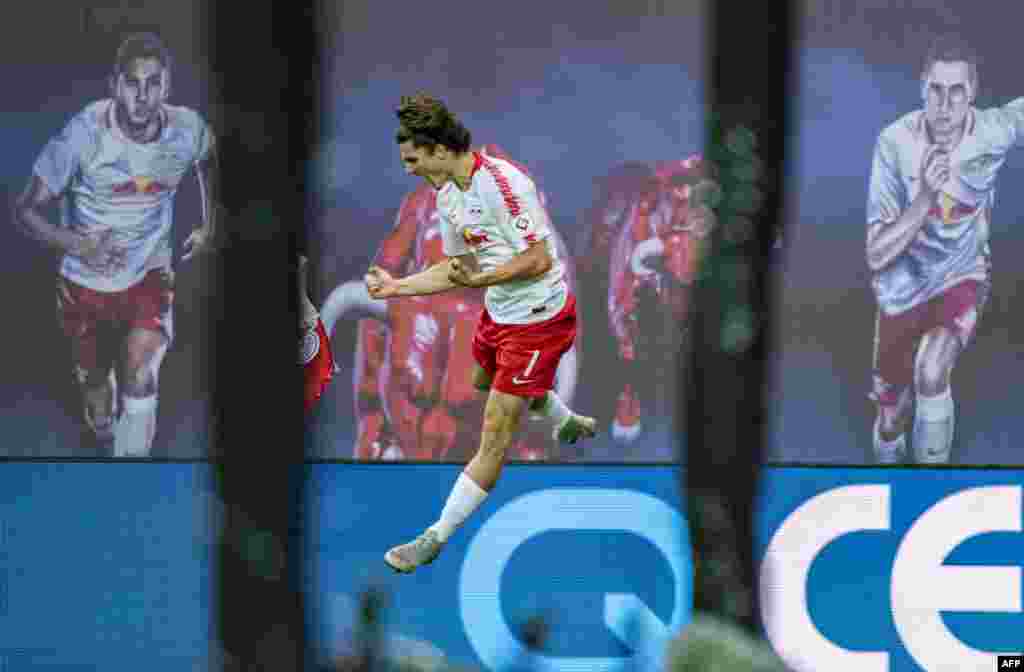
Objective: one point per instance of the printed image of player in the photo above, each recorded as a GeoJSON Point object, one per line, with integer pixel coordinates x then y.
{"type": "Point", "coordinates": [413, 394]}
{"type": "Point", "coordinates": [930, 199]}
{"type": "Point", "coordinates": [494, 234]}
{"type": "Point", "coordinates": [655, 251]}
{"type": "Point", "coordinates": [114, 171]}
{"type": "Point", "coordinates": [618, 192]}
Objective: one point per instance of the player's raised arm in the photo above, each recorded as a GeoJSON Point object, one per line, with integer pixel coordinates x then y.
{"type": "Point", "coordinates": [434, 280]}
{"type": "Point", "coordinates": [892, 223]}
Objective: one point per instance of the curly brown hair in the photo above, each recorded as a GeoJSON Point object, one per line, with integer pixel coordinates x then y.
{"type": "Point", "coordinates": [427, 122]}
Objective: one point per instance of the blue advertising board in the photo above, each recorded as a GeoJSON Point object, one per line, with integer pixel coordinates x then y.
{"type": "Point", "coordinates": [602, 552]}
{"type": "Point", "coordinates": [892, 570]}
{"type": "Point", "coordinates": [105, 567]}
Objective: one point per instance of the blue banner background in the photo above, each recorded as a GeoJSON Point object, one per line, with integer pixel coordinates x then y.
{"type": "Point", "coordinates": [360, 511]}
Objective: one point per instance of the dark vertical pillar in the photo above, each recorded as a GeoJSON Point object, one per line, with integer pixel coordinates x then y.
{"type": "Point", "coordinates": [748, 88]}
{"type": "Point", "coordinates": [263, 56]}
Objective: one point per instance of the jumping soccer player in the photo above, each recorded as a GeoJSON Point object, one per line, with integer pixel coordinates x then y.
{"type": "Point", "coordinates": [929, 206]}
{"type": "Point", "coordinates": [495, 234]}
{"type": "Point", "coordinates": [414, 380]}
{"type": "Point", "coordinates": [116, 168]}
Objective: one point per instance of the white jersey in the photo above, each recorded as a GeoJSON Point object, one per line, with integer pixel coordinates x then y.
{"type": "Point", "coordinates": [111, 183]}
{"type": "Point", "coordinates": [953, 245]}
{"type": "Point", "coordinates": [498, 217]}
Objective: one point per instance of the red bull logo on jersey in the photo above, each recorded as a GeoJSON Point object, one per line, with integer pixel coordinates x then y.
{"type": "Point", "coordinates": [139, 185]}
{"type": "Point", "coordinates": [951, 211]}
{"type": "Point", "coordinates": [475, 237]}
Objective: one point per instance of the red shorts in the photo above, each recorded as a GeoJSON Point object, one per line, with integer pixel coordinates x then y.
{"type": "Point", "coordinates": [897, 337]}
{"type": "Point", "coordinates": [522, 359]}
{"type": "Point", "coordinates": [317, 363]}
{"type": "Point", "coordinates": [85, 315]}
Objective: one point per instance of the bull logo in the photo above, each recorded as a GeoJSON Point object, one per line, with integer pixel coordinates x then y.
{"type": "Point", "coordinates": [476, 237]}
{"type": "Point", "coordinates": [139, 185]}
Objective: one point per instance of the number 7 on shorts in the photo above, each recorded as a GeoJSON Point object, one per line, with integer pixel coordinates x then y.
{"type": "Point", "coordinates": [529, 369]}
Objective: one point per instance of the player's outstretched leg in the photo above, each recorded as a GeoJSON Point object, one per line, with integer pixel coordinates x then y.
{"type": "Point", "coordinates": [501, 420]}
{"type": "Point", "coordinates": [567, 426]}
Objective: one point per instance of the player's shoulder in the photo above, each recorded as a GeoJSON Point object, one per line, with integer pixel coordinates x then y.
{"type": "Point", "coordinates": [902, 130]}
{"type": "Point", "coordinates": [92, 117]}
{"type": "Point", "coordinates": [84, 127]}
{"type": "Point", "coordinates": [180, 116]}
{"type": "Point", "coordinates": [503, 177]}
{"type": "Point", "coordinates": [506, 168]}
{"type": "Point", "coordinates": [998, 119]}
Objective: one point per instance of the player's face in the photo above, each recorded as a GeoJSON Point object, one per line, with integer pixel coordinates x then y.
{"type": "Point", "coordinates": [947, 97]}
{"type": "Point", "coordinates": [141, 90]}
{"type": "Point", "coordinates": [421, 161]}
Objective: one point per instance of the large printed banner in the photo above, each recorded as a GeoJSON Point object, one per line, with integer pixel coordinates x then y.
{"type": "Point", "coordinates": [110, 145]}
{"type": "Point", "coordinates": [105, 567]}
{"type": "Point", "coordinates": [872, 570]}
{"type": "Point", "coordinates": [602, 553]}
{"type": "Point", "coordinates": [899, 317]}
{"type": "Point", "coordinates": [605, 115]}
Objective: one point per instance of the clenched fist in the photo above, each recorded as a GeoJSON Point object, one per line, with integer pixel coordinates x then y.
{"type": "Point", "coordinates": [380, 284]}
{"type": "Point", "coordinates": [934, 168]}
{"type": "Point", "coordinates": [462, 276]}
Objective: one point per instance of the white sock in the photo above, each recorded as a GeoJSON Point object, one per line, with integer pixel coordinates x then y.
{"type": "Point", "coordinates": [889, 452]}
{"type": "Point", "coordinates": [933, 428]}
{"type": "Point", "coordinates": [133, 434]}
{"type": "Point", "coordinates": [465, 498]}
{"type": "Point", "coordinates": [554, 410]}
